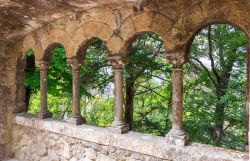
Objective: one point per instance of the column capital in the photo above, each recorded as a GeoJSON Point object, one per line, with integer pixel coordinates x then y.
{"type": "Point", "coordinates": [177, 59]}
{"type": "Point", "coordinates": [74, 63]}
{"type": "Point", "coordinates": [117, 61]}
{"type": "Point", "coordinates": [43, 65]}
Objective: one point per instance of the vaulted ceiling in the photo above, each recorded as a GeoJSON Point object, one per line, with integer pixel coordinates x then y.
{"type": "Point", "coordinates": [18, 17]}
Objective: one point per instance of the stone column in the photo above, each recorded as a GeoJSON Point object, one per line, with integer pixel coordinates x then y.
{"type": "Point", "coordinates": [44, 112]}
{"type": "Point", "coordinates": [177, 135]}
{"type": "Point", "coordinates": [76, 117]}
{"type": "Point", "coordinates": [118, 125]}
{"type": "Point", "coordinates": [248, 100]}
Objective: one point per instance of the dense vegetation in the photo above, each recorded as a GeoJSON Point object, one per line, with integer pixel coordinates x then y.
{"type": "Point", "coordinates": [214, 86]}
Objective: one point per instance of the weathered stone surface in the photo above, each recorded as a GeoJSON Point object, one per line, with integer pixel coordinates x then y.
{"type": "Point", "coordinates": [62, 141]}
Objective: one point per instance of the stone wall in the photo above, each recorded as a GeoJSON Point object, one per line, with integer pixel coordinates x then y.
{"type": "Point", "coordinates": [36, 145]}
{"type": "Point", "coordinates": [52, 140]}
{"type": "Point", "coordinates": [7, 94]}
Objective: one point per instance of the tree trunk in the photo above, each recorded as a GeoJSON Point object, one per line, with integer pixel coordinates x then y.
{"type": "Point", "coordinates": [219, 117]}
{"type": "Point", "coordinates": [129, 102]}
{"type": "Point", "coordinates": [220, 107]}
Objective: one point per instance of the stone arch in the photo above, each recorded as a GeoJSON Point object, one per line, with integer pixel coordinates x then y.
{"type": "Point", "coordinates": [129, 42]}
{"type": "Point", "coordinates": [147, 21]}
{"type": "Point", "coordinates": [48, 52]}
{"type": "Point", "coordinates": [81, 51]}
{"type": "Point", "coordinates": [87, 32]}
{"type": "Point", "coordinates": [196, 17]}
{"type": "Point", "coordinates": [57, 37]}
{"type": "Point", "coordinates": [41, 41]}
{"type": "Point", "coordinates": [31, 42]}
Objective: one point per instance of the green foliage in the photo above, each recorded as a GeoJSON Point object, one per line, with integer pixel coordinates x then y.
{"type": "Point", "coordinates": [99, 111]}
{"type": "Point", "coordinates": [95, 73]}
{"type": "Point", "coordinates": [58, 105]}
{"type": "Point", "coordinates": [203, 83]}
{"type": "Point", "coordinates": [151, 77]}
{"type": "Point", "coordinates": [32, 74]}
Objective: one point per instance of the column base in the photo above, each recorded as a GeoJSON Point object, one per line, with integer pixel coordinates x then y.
{"type": "Point", "coordinates": [44, 114]}
{"type": "Point", "coordinates": [177, 137]}
{"type": "Point", "coordinates": [76, 120]}
{"type": "Point", "coordinates": [119, 127]}
{"type": "Point", "coordinates": [247, 148]}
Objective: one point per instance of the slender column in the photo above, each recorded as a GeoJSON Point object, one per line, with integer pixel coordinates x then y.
{"type": "Point", "coordinates": [44, 112]}
{"type": "Point", "coordinates": [177, 135]}
{"type": "Point", "coordinates": [118, 124]}
{"type": "Point", "coordinates": [76, 117]}
{"type": "Point", "coordinates": [248, 101]}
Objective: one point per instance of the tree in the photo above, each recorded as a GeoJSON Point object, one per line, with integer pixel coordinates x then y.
{"type": "Point", "coordinates": [217, 58]}
{"type": "Point", "coordinates": [145, 63]}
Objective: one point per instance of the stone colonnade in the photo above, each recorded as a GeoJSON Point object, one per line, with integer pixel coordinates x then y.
{"type": "Point", "coordinates": [177, 59]}
{"type": "Point", "coordinates": [175, 136]}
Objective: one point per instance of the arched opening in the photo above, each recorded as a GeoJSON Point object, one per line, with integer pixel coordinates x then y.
{"type": "Point", "coordinates": [25, 64]}
{"type": "Point", "coordinates": [148, 86]}
{"type": "Point", "coordinates": [59, 83]}
{"type": "Point", "coordinates": [215, 87]}
{"type": "Point", "coordinates": [96, 77]}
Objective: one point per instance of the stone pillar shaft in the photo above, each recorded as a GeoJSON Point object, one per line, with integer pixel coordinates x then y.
{"type": "Point", "coordinates": [44, 113]}
{"type": "Point", "coordinates": [118, 125]}
{"type": "Point", "coordinates": [76, 117]}
{"type": "Point", "coordinates": [43, 88]}
{"type": "Point", "coordinates": [118, 80]}
{"type": "Point", "coordinates": [76, 91]}
{"type": "Point", "coordinates": [177, 98]}
{"type": "Point", "coordinates": [177, 135]}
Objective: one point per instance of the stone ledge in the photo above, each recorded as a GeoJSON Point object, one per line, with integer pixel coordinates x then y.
{"type": "Point", "coordinates": [131, 141]}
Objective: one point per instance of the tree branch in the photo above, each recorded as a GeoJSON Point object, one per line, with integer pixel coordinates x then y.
{"type": "Point", "coordinates": [207, 71]}
{"type": "Point", "coordinates": [210, 53]}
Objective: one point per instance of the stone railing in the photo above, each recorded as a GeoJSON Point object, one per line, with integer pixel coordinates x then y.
{"type": "Point", "coordinates": [36, 139]}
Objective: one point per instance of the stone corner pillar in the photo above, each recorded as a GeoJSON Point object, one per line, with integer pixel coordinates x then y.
{"type": "Point", "coordinates": [176, 135]}
{"type": "Point", "coordinates": [20, 105]}
{"type": "Point", "coordinates": [76, 117]}
{"type": "Point", "coordinates": [118, 125]}
{"type": "Point", "coordinates": [44, 112]}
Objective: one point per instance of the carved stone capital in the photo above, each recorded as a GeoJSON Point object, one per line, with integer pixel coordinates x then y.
{"type": "Point", "coordinates": [176, 58]}
{"type": "Point", "coordinates": [74, 63]}
{"type": "Point", "coordinates": [176, 61]}
{"type": "Point", "coordinates": [43, 65]}
{"type": "Point", "coordinates": [117, 61]}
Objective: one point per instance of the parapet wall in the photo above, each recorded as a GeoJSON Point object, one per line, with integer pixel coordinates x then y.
{"type": "Point", "coordinates": [46, 140]}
